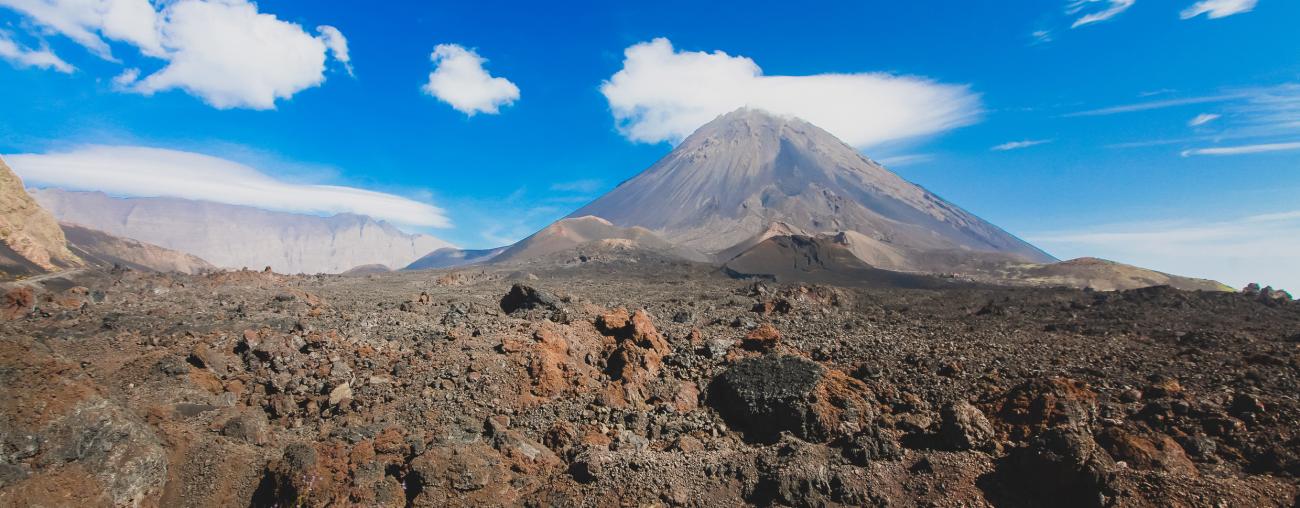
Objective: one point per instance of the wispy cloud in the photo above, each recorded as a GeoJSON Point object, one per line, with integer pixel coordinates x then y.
{"type": "Point", "coordinates": [585, 185]}
{"type": "Point", "coordinates": [1215, 9]}
{"type": "Point", "coordinates": [1258, 248]}
{"type": "Point", "coordinates": [142, 171]}
{"type": "Point", "coordinates": [1202, 119]}
{"type": "Point", "coordinates": [1150, 105]}
{"type": "Point", "coordinates": [1262, 117]}
{"type": "Point", "coordinates": [1041, 36]}
{"type": "Point", "coordinates": [25, 57]}
{"type": "Point", "coordinates": [664, 94]}
{"type": "Point", "coordinates": [1108, 10]}
{"type": "Point", "coordinates": [1243, 149]}
{"type": "Point", "coordinates": [1016, 145]}
{"type": "Point", "coordinates": [907, 159]}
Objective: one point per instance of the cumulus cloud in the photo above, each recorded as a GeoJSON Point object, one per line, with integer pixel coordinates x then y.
{"type": "Point", "coordinates": [26, 57]}
{"type": "Point", "coordinates": [459, 79]}
{"type": "Point", "coordinates": [1092, 13]}
{"type": "Point", "coordinates": [222, 51]}
{"type": "Point", "coordinates": [1215, 9]}
{"type": "Point", "coordinates": [662, 94]}
{"type": "Point", "coordinates": [1016, 145]}
{"type": "Point", "coordinates": [141, 171]}
{"type": "Point", "coordinates": [1235, 251]}
{"type": "Point", "coordinates": [1243, 149]}
{"type": "Point", "coordinates": [1202, 119]}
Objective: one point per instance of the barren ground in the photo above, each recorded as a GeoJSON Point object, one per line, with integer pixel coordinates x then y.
{"type": "Point", "coordinates": [638, 384]}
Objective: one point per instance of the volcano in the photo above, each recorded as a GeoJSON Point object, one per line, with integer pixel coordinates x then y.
{"type": "Point", "coordinates": [736, 176]}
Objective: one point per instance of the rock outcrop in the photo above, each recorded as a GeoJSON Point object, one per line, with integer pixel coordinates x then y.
{"type": "Point", "coordinates": [30, 238]}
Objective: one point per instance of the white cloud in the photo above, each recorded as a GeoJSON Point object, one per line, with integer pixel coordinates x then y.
{"type": "Point", "coordinates": [337, 44]}
{"type": "Point", "coordinates": [1243, 149]}
{"type": "Point", "coordinates": [1111, 9]}
{"type": "Point", "coordinates": [126, 78]}
{"type": "Point", "coordinates": [142, 171]}
{"type": "Point", "coordinates": [1259, 248]}
{"type": "Point", "coordinates": [459, 79]}
{"type": "Point", "coordinates": [222, 51]}
{"type": "Point", "coordinates": [662, 94]}
{"type": "Point", "coordinates": [233, 56]}
{"type": "Point", "coordinates": [24, 57]}
{"type": "Point", "coordinates": [132, 21]}
{"type": "Point", "coordinates": [1016, 145]}
{"type": "Point", "coordinates": [1041, 36]}
{"type": "Point", "coordinates": [1202, 119]}
{"type": "Point", "coordinates": [1215, 9]}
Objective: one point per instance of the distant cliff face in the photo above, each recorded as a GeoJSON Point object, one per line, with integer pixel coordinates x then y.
{"type": "Point", "coordinates": [231, 236]}
{"type": "Point", "coordinates": [735, 176]}
{"type": "Point", "coordinates": [30, 238]}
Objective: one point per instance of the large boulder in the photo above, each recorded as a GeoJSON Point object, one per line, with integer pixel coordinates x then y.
{"type": "Point", "coordinates": [765, 396]}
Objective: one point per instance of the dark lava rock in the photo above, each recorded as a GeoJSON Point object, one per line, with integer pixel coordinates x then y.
{"type": "Point", "coordinates": [768, 395]}
{"type": "Point", "coordinates": [1062, 467]}
{"type": "Point", "coordinates": [871, 444]}
{"type": "Point", "coordinates": [524, 297]}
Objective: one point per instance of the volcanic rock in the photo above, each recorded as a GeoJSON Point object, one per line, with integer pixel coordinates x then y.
{"type": "Point", "coordinates": [768, 395]}
{"type": "Point", "coordinates": [524, 297]}
{"type": "Point", "coordinates": [964, 427]}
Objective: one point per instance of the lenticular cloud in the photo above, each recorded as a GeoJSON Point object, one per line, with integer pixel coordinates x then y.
{"type": "Point", "coordinates": [662, 94]}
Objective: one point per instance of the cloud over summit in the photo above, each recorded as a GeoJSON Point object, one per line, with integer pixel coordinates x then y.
{"type": "Point", "coordinates": [663, 94]}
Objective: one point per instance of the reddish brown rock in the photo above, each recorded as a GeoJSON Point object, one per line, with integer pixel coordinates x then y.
{"type": "Point", "coordinates": [18, 302]}
{"type": "Point", "coordinates": [1040, 404]}
{"type": "Point", "coordinates": [1152, 452]}
{"type": "Point", "coordinates": [636, 359]}
{"type": "Point", "coordinates": [462, 475]}
{"type": "Point", "coordinates": [763, 338]}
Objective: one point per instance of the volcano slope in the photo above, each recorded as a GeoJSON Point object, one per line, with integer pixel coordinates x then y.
{"type": "Point", "coordinates": [646, 383]}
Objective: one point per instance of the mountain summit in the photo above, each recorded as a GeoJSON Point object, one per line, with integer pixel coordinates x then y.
{"type": "Point", "coordinates": [736, 175]}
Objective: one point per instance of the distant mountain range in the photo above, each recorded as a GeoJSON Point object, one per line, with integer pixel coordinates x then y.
{"type": "Point", "coordinates": [231, 236]}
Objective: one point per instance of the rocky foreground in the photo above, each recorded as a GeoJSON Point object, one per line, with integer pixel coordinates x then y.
{"type": "Point", "coordinates": [638, 385]}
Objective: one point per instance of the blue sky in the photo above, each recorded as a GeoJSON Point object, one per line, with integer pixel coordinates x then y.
{"type": "Point", "coordinates": [1099, 155]}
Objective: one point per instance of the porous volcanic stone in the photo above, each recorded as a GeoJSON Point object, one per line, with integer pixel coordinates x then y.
{"type": "Point", "coordinates": [768, 395]}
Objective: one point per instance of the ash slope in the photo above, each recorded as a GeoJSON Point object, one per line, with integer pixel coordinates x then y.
{"type": "Point", "coordinates": [233, 236]}
{"type": "Point", "coordinates": [105, 250]}
{"type": "Point", "coordinates": [736, 175]}
{"type": "Point", "coordinates": [572, 233]}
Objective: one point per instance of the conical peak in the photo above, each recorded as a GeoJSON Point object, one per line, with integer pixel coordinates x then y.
{"type": "Point", "coordinates": [749, 118]}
